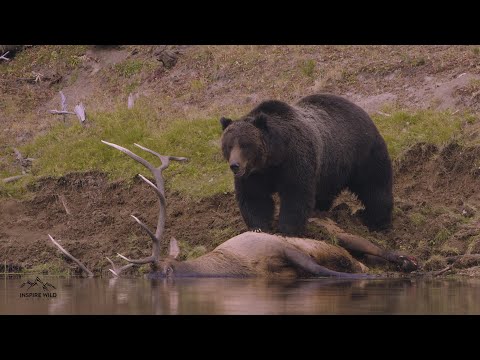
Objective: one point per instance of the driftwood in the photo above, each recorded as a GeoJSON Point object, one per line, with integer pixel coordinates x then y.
{"type": "Point", "coordinates": [24, 164]}
{"type": "Point", "coordinates": [131, 100]}
{"type": "Point", "coordinates": [64, 203]}
{"type": "Point", "coordinates": [79, 110]}
{"type": "Point", "coordinates": [4, 56]}
{"type": "Point", "coordinates": [12, 178]}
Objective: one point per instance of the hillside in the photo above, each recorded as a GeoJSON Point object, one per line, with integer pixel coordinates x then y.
{"type": "Point", "coordinates": [424, 99]}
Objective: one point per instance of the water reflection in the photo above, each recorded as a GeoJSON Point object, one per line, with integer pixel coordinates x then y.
{"type": "Point", "coordinates": [240, 296]}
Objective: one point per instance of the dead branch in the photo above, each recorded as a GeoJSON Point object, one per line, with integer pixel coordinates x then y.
{"type": "Point", "coordinates": [118, 270]}
{"type": "Point", "coordinates": [70, 256]}
{"type": "Point", "coordinates": [12, 178]}
{"type": "Point", "coordinates": [383, 113]}
{"type": "Point", "coordinates": [443, 271]}
{"type": "Point", "coordinates": [24, 162]}
{"type": "Point", "coordinates": [131, 100]}
{"type": "Point", "coordinates": [4, 56]}
{"type": "Point", "coordinates": [80, 112]}
{"type": "Point", "coordinates": [159, 188]}
{"type": "Point", "coordinates": [64, 203]}
{"type": "Point", "coordinates": [358, 244]}
{"type": "Point", "coordinates": [60, 112]}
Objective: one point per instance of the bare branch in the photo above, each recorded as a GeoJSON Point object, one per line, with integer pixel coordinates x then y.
{"type": "Point", "coordinates": [384, 114]}
{"type": "Point", "coordinates": [443, 271]}
{"type": "Point", "coordinates": [59, 112]}
{"type": "Point", "coordinates": [63, 102]}
{"type": "Point", "coordinates": [118, 270]}
{"type": "Point", "coordinates": [70, 256]}
{"type": "Point", "coordinates": [64, 203]}
{"type": "Point", "coordinates": [38, 76]}
{"type": "Point", "coordinates": [12, 178]}
{"type": "Point", "coordinates": [131, 100]}
{"type": "Point", "coordinates": [4, 56]}
{"type": "Point", "coordinates": [24, 162]}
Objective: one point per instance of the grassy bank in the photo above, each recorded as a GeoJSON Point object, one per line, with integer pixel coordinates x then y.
{"type": "Point", "coordinates": [73, 148]}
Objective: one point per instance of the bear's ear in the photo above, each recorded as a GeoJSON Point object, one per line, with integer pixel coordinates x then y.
{"type": "Point", "coordinates": [260, 121]}
{"type": "Point", "coordinates": [225, 122]}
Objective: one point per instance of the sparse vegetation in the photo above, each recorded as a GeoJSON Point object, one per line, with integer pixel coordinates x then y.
{"type": "Point", "coordinates": [128, 68]}
{"type": "Point", "coordinates": [403, 129]}
{"type": "Point", "coordinates": [60, 58]}
{"type": "Point", "coordinates": [442, 235]}
{"type": "Point", "coordinates": [76, 148]}
{"type": "Point", "coordinates": [308, 67]}
{"type": "Point", "coordinates": [418, 219]}
{"type": "Point", "coordinates": [435, 262]}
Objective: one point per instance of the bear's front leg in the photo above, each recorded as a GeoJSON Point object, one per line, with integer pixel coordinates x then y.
{"type": "Point", "coordinates": [254, 198]}
{"type": "Point", "coordinates": [296, 205]}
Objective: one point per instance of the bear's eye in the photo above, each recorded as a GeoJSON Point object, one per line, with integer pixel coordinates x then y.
{"type": "Point", "coordinates": [244, 146]}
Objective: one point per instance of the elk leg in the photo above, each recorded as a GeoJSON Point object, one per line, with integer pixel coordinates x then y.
{"type": "Point", "coordinates": [301, 261]}
{"type": "Point", "coordinates": [359, 245]}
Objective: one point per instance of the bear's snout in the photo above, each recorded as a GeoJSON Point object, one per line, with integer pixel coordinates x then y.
{"type": "Point", "coordinates": [235, 167]}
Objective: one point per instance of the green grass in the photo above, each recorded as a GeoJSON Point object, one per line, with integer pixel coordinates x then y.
{"type": "Point", "coordinates": [55, 267]}
{"type": "Point", "coordinates": [72, 148]}
{"type": "Point", "coordinates": [403, 129]}
{"type": "Point", "coordinates": [441, 236]}
{"type": "Point", "coordinates": [59, 57]}
{"type": "Point", "coordinates": [418, 219]}
{"type": "Point", "coordinates": [128, 68]}
{"type": "Point", "coordinates": [308, 67]}
{"type": "Point", "coordinates": [75, 148]}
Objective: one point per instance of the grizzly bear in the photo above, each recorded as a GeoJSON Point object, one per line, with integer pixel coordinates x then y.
{"type": "Point", "coordinates": [307, 153]}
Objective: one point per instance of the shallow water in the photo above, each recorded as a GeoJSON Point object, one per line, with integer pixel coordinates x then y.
{"type": "Point", "coordinates": [238, 296]}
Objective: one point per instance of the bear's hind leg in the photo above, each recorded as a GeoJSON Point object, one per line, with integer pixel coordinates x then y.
{"type": "Point", "coordinates": [378, 204]}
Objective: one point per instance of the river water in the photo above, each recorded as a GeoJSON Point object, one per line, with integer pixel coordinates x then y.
{"type": "Point", "coordinates": [55, 295]}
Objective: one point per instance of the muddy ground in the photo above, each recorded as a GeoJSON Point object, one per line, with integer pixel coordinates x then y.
{"type": "Point", "coordinates": [436, 189]}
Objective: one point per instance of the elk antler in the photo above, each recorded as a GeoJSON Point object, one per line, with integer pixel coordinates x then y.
{"type": "Point", "coordinates": [160, 191]}
{"type": "Point", "coordinates": [70, 256]}
{"type": "Point", "coordinates": [116, 270]}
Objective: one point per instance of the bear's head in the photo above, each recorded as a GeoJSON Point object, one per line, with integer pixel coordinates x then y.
{"type": "Point", "coordinates": [243, 144]}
